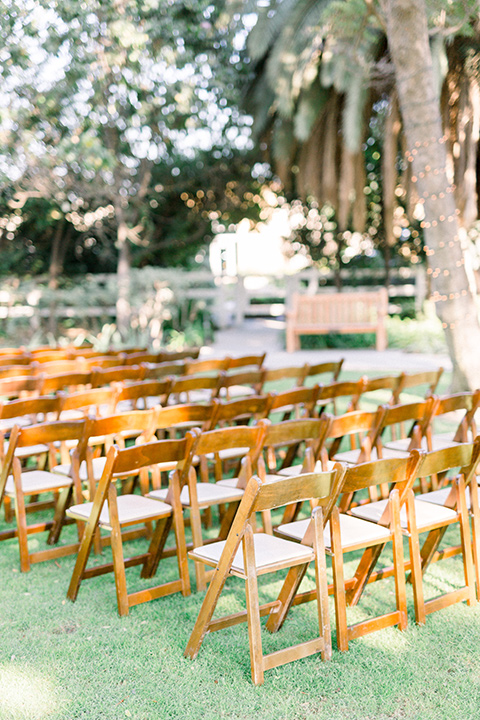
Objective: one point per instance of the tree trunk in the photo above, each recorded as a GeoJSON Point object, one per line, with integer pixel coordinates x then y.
{"type": "Point", "coordinates": [123, 274]}
{"type": "Point", "coordinates": [452, 292]}
{"type": "Point", "coordinates": [61, 240]}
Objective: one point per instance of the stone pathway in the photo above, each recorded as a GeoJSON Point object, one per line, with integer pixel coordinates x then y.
{"type": "Point", "coordinates": [259, 335]}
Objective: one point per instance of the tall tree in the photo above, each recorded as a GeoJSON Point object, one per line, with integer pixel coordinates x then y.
{"type": "Point", "coordinates": [99, 93]}
{"type": "Point", "coordinates": [323, 66]}
{"type": "Point", "coordinates": [455, 298]}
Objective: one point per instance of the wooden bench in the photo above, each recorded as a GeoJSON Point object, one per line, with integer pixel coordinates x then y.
{"type": "Point", "coordinates": [340, 312]}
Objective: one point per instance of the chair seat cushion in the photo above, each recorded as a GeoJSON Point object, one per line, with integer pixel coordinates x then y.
{"type": "Point", "coordinates": [28, 450]}
{"type": "Point", "coordinates": [269, 551]}
{"type": "Point", "coordinates": [351, 456]}
{"type": "Point", "coordinates": [297, 469]}
{"type": "Point", "coordinates": [207, 493]}
{"type": "Point", "coordinates": [131, 509]}
{"type": "Point", "coordinates": [37, 481]}
{"type": "Point", "coordinates": [98, 465]}
{"type": "Point", "coordinates": [353, 531]}
{"type": "Point", "coordinates": [229, 453]}
{"type": "Point", "coordinates": [439, 497]}
{"type": "Point", "coordinates": [425, 513]}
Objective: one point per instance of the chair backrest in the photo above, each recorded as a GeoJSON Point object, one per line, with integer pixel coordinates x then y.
{"type": "Point", "coordinates": [301, 400]}
{"type": "Point", "coordinates": [144, 389]}
{"type": "Point", "coordinates": [398, 472]}
{"type": "Point", "coordinates": [89, 401]}
{"type": "Point", "coordinates": [248, 379]}
{"type": "Point", "coordinates": [211, 442]}
{"type": "Point", "coordinates": [33, 407]}
{"type": "Point", "coordinates": [21, 386]}
{"type": "Point", "coordinates": [71, 381]}
{"type": "Point", "coordinates": [157, 371]}
{"type": "Point", "coordinates": [47, 433]}
{"type": "Point", "coordinates": [244, 410]}
{"type": "Point", "coordinates": [243, 361]}
{"type": "Point", "coordinates": [324, 488]}
{"type": "Point", "coordinates": [388, 383]}
{"type": "Point", "coordinates": [9, 371]}
{"type": "Point", "coordinates": [312, 371]}
{"type": "Point", "coordinates": [418, 414]}
{"type": "Point", "coordinates": [178, 415]}
{"type": "Point", "coordinates": [141, 422]}
{"type": "Point", "coordinates": [294, 373]}
{"type": "Point", "coordinates": [44, 355]}
{"type": "Point", "coordinates": [464, 457]}
{"type": "Point", "coordinates": [172, 355]}
{"type": "Point", "coordinates": [6, 360]}
{"type": "Point", "coordinates": [350, 391]}
{"type": "Point", "coordinates": [201, 367]}
{"type": "Point", "coordinates": [125, 462]}
{"type": "Point", "coordinates": [291, 434]}
{"type": "Point", "coordinates": [185, 385]}
{"type": "Point", "coordinates": [429, 378]}
{"type": "Point", "coordinates": [456, 403]}
{"type": "Point", "coordinates": [56, 367]}
{"type": "Point", "coordinates": [105, 376]}
{"type": "Point", "coordinates": [103, 361]}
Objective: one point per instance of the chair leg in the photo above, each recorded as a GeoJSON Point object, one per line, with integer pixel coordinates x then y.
{"type": "Point", "coordinates": [156, 547]}
{"type": "Point", "coordinates": [322, 586]}
{"type": "Point", "coordinates": [117, 553]}
{"type": "Point", "coordinates": [364, 570]}
{"type": "Point", "coordinates": [7, 508]}
{"type": "Point", "coordinates": [22, 531]}
{"type": "Point", "coordinates": [59, 517]}
{"type": "Point", "coordinates": [399, 562]}
{"type": "Point", "coordinates": [253, 609]}
{"type": "Point", "coordinates": [415, 560]}
{"type": "Point", "coordinates": [466, 542]}
{"type": "Point", "coordinates": [476, 532]}
{"type": "Point", "coordinates": [339, 583]}
{"type": "Point", "coordinates": [286, 596]}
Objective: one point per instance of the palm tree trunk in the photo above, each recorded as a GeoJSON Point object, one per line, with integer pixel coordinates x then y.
{"type": "Point", "coordinates": [452, 291]}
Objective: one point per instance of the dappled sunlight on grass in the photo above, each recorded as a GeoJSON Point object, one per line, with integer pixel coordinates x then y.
{"type": "Point", "coordinates": [26, 694]}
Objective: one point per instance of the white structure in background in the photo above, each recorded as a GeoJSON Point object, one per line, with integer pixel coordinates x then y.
{"type": "Point", "coordinates": [251, 260]}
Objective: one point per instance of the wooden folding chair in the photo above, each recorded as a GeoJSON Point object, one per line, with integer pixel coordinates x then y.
{"type": "Point", "coordinates": [212, 366]}
{"type": "Point", "coordinates": [379, 391]}
{"type": "Point", "coordinates": [112, 513]}
{"type": "Point", "coordinates": [204, 495]}
{"type": "Point", "coordinates": [405, 427]}
{"type": "Point", "coordinates": [348, 533]}
{"type": "Point", "coordinates": [240, 384]}
{"type": "Point", "coordinates": [248, 555]}
{"type": "Point", "coordinates": [245, 361]}
{"type": "Point", "coordinates": [283, 442]}
{"type": "Point", "coordinates": [66, 382]}
{"type": "Point", "coordinates": [95, 402]}
{"type": "Point", "coordinates": [146, 394]}
{"type": "Point", "coordinates": [347, 392]}
{"type": "Point", "coordinates": [21, 387]}
{"type": "Point", "coordinates": [15, 371]}
{"type": "Point", "coordinates": [459, 410]}
{"type": "Point", "coordinates": [427, 381]}
{"type": "Point", "coordinates": [311, 372]}
{"type": "Point", "coordinates": [243, 411]}
{"type": "Point", "coordinates": [193, 388]}
{"type": "Point", "coordinates": [296, 403]}
{"type": "Point", "coordinates": [160, 371]}
{"type": "Point", "coordinates": [17, 483]}
{"type": "Point", "coordinates": [420, 517]}
{"type": "Point", "coordinates": [106, 376]}
{"type": "Point", "coordinates": [289, 377]}
{"type": "Point", "coordinates": [85, 465]}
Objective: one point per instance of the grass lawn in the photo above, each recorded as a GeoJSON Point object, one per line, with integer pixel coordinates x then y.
{"type": "Point", "coordinates": [65, 661]}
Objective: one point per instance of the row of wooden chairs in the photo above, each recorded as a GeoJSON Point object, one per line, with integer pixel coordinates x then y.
{"type": "Point", "coordinates": [134, 459]}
